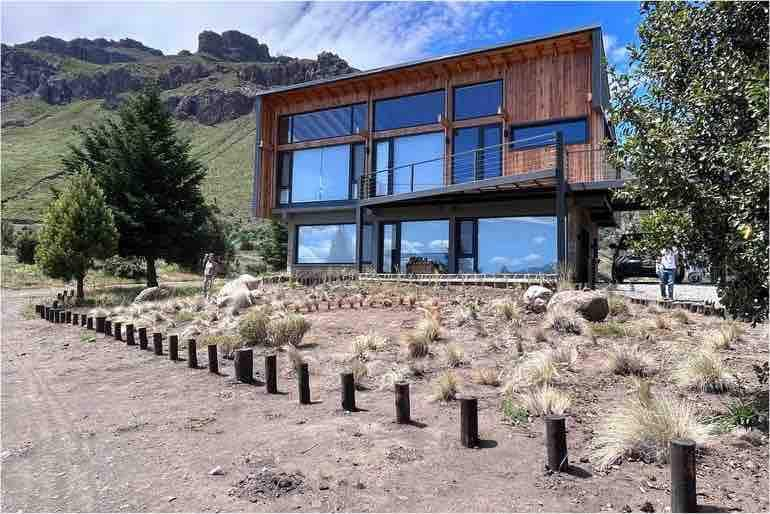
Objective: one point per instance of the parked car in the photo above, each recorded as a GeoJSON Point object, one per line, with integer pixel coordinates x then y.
{"type": "Point", "coordinates": [627, 264]}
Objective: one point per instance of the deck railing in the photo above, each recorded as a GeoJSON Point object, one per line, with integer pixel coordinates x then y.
{"type": "Point", "coordinates": [589, 165]}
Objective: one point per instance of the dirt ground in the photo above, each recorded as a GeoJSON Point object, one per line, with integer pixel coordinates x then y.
{"type": "Point", "coordinates": [96, 426]}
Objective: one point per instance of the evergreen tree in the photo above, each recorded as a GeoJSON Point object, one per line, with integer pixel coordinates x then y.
{"type": "Point", "coordinates": [78, 227]}
{"type": "Point", "coordinates": [151, 182]}
{"type": "Point", "coordinates": [271, 243]}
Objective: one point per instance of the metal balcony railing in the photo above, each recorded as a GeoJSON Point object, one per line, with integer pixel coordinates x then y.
{"type": "Point", "coordinates": [590, 165]}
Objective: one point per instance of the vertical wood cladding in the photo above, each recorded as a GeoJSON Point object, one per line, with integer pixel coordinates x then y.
{"type": "Point", "coordinates": [545, 80]}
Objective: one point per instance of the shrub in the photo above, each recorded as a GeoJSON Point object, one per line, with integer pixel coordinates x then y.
{"type": "Point", "coordinates": [618, 305]}
{"type": "Point", "coordinates": [704, 370]}
{"type": "Point", "coordinates": [625, 359]}
{"type": "Point", "coordinates": [515, 413]}
{"type": "Point", "coordinates": [124, 267]}
{"type": "Point", "coordinates": [486, 376]}
{"type": "Point", "coordinates": [536, 370]}
{"type": "Point", "coordinates": [368, 342]}
{"type": "Point", "coordinates": [740, 413]}
{"type": "Point", "coordinates": [253, 327]}
{"type": "Point", "coordinates": [445, 387]}
{"type": "Point", "coordinates": [564, 320]}
{"type": "Point", "coordinates": [681, 316]}
{"type": "Point", "coordinates": [417, 345]}
{"type": "Point", "coordinates": [8, 236]}
{"type": "Point", "coordinates": [716, 340]}
{"type": "Point", "coordinates": [612, 329]}
{"type": "Point", "coordinates": [226, 344]}
{"type": "Point", "coordinates": [430, 325]}
{"type": "Point", "coordinates": [455, 355]}
{"type": "Point", "coordinates": [288, 329]}
{"type": "Point", "coordinates": [508, 309]}
{"type": "Point", "coordinates": [26, 244]}
{"type": "Point", "coordinates": [644, 426]}
{"type": "Point", "coordinates": [544, 400]}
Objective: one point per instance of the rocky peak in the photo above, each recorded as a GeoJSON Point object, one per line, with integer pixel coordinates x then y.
{"type": "Point", "coordinates": [97, 51]}
{"type": "Point", "coordinates": [232, 45]}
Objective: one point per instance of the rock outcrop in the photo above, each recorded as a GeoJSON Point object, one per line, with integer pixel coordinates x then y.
{"type": "Point", "coordinates": [211, 106]}
{"type": "Point", "coordinates": [232, 46]}
{"type": "Point", "coordinates": [536, 298]}
{"type": "Point", "coordinates": [97, 51]}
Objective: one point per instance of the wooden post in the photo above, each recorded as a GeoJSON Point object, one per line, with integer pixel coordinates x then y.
{"type": "Point", "coordinates": [271, 375]}
{"type": "Point", "coordinates": [41, 311]}
{"type": "Point", "coordinates": [556, 443]}
{"type": "Point", "coordinates": [47, 313]}
{"type": "Point", "coordinates": [100, 324]}
{"type": "Point", "coordinates": [469, 422]}
{"type": "Point", "coordinates": [213, 366]}
{"type": "Point", "coordinates": [348, 382]}
{"type": "Point", "coordinates": [402, 402]}
{"type": "Point", "coordinates": [130, 334]}
{"type": "Point", "coordinates": [142, 338]}
{"type": "Point", "coordinates": [107, 327]}
{"type": "Point", "coordinates": [243, 362]}
{"type": "Point", "coordinates": [173, 347]}
{"type": "Point", "coordinates": [83, 318]}
{"type": "Point", "coordinates": [192, 354]}
{"type": "Point", "coordinates": [303, 383]}
{"type": "Point", "coordinates": [75, 319]}
{"type": "Point", "coordinates": [157, 343]}
{"type": "Point", "coordinates": [117, 331]}
{"type": "Point", "coordinates": [683, 492]}
{"type": "Point", "coordinates": [68, 317]}
{"type": "Point", "coordinates": [90, 323]}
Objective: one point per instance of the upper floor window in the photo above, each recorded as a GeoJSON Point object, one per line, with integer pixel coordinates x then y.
{"type": "Point", "coordinates": [543, 133]}
{"type": "Point", "coordinates": [477, 153]}
{"type": "Point", "coordinates": [408, 111]}
{"type": "Point", "coordinates": [336, 122]}
{"type": "Point", "coordinates": [320, 174]}
{"type": "Point", "coordinates": [409, 163]}
{"type": "Point", "coordinates": [478, 100]}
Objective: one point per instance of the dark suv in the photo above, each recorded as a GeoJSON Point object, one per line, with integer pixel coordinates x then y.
{"type": "Point", "coordinates": [626, 264]}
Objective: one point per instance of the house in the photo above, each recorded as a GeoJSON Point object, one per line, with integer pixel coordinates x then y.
{"type": "Point", "coordinates": [485, 162]}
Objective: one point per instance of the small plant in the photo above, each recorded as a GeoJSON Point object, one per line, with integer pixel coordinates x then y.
{"type": "Point", "coordinates": [182, 316]}
{"type": "Point", "coordinates": [564, 320]}
{"type": "Point", "coordinates": [417, 345]}
{"type": "Point", "coordinates": [455, 355]}
{"type": "Point", "coordinates": [536, 370]}
{"type": "Point", "coordinates": [515, 413]}
{"type": "Point", "coordinates": [394, 376]}
{"type": "Point", "coordinates": [368, 342]}
{"type": "Point", "coordinates": [612, 329]}
{"type": "Point", "coordinates": [731, 331]}
{"type": "Point", "coordinates": [253, 327]}
{"type": "Point", "coordinates": [618, 305]}
{"type": "Point", "coordinates": [508, 310]}
{"type": "Point", "coordinates": [430, 325]}
{"type": "Point", "coordinates": [289, 329]}
{"type": "Point", "coordinates": [705, 370]}
{"type": "Point", "coordinates": [486, 376]}
{"type": "Point", "coordinates": [544, 400]}
{"type": "Point", "coordinates": [564, 281]}
{"type": "Point", "coordinates": [625, 359]}
{"type": "Point", "coordinates": [412, 300]}
{"type": "Point", "coordinates": [681, 316]}
{"type": "Point", "coordinates": [740, 413]}
{"type": "Point", "coordinates": [226, 344]}
{"type": "Point", "coordinates": [662, 323]}
{"type": "Point", "coordinates": [716, 340]}
{"type": "Point", "coordinates": [565, 355]}
{"type": "Point", "coordinates": [360, 372]}
{"type": "Point", "coordinates": [445, 387]}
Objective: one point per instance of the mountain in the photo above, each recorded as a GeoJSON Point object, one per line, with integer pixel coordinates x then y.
{"type": "Point", "coordinates": [49, 85]}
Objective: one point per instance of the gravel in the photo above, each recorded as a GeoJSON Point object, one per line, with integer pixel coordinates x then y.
{"type": "Point", "coordinates": [682, 292]}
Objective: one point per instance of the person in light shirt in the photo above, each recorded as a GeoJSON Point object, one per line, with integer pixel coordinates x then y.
{"type": "Point", "coordinates": [666, 268]}
{"type": "Point", "coordinates": [209, 272]}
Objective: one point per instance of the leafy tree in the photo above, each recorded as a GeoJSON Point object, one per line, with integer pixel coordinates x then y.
{"type": "Point", "coordinates": [78, 227]}
{"type": "Point", "coordinates": [25, 247]}
{"type": "Point", "coordinates": [150, 181]}
{"type": "Point", "coordinates": [271, 243]}
{"type": "Point", "coordinates": [692, 112]}
{"type": "Point", "coordinates": [8, 235]}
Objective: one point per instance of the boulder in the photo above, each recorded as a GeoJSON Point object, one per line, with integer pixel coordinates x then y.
{"type": "Point", "coordinates": [237, 294]}
{"type": "Point", "coordinates": [536, 298]}
{"type": "Point", "coordinates": [592, 305]}
{"type": "Point", "coordinates": [152, 294]}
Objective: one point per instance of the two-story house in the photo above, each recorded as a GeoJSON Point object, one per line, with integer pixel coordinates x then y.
{"type": "Point", "coordinates": [486, 162]}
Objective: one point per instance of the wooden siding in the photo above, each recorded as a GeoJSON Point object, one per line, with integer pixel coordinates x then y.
{"type": "Point", "coordinates": [546, 80]}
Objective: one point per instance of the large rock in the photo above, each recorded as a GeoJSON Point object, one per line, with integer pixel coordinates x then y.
{"type": "Point", "coordinates": [236, 294]}
{"type": "Point", "coordinates": [152, 294]}
{"type": "Point", "coordinates": [536, 298]}
{"type": "Point", "coordinates": [592, 305]}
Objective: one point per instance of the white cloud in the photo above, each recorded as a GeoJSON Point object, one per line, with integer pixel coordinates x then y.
{"type": "Point", "coordinates": [616, 53]}
{"type": "Point", "coordinates": [411, 246]}
{"type": "Point", "coordinates": [538, 240]}
{"type": "Point", "coordinates": [533, 257]}
{"type": "Point", "coordinates": [439, 245]}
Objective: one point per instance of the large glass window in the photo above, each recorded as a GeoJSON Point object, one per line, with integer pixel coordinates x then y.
{"type": "Point", "coordinates": [326, 244]}
{"type": "Point", "coordinates": [410, 163]}
{"type": "Point", "coordinates": [321, 174]}
{"type": "Point", "coordinates": [542, 134]}
{"type": "Point", "coordinates": [367, 250]}
{"type": "Point", "coordinates": [408, 111]}
{"type": "Point", "coordinates": [478, 100]}
{"type": "Point", "coordinates": [389, 245]}
{"type": "Point", "coordinates": [359, 158]}
{"type": "Point", "coordinates": [424, 246]}
{"type": "Point", "coordinates": [477, 153]}
{"type": "Point", "coordinates": [517, 245]}
{"type": "Point", "coordinates": [339, 121]}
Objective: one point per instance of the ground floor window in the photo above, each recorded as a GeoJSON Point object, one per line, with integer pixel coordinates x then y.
{"type": "Point", "coordinates": [515, 245]}
{"type": "Point", "coordinates": [415, 247]}
{"type": "Point", "coordinates": [326, 244]}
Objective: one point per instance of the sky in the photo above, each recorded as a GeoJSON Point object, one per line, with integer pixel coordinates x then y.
{"type": "Point", "coordinates": [366, 34]}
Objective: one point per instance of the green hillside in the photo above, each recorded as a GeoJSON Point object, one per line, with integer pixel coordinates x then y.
{"type": "Point", "coordinates": [31, 155]}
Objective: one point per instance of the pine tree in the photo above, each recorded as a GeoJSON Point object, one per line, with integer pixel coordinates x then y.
{"type": "Point", "coordinates": [78, 227]}
{"type": "Point", "coordinates": [151, 182]}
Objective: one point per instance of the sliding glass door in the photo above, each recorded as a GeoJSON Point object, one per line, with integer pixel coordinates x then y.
{"type": "Point", "coordinates": [415, 247]}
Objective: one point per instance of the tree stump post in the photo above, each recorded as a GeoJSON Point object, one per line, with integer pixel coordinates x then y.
{"type": "Point", "coordinates": [192, 354]}
{"type": "Point", "coordinates": [469, 422]}
{"type": "Point", "coordinates": [402, 403]}
{"type": "Point", "coordinates": [130, 334]}
{"type": "Point", "coordinates": [90, 323]}
{"type": "Point", "coordinates": [303, 383]}
{"type": "Point", "coordinates": [271, 374]}
{"type": "Point", "coordinates": [556, 443]}
{"type": "Point", "coordinates": [108, 327]}
{"type": "Point", "coordinates": [683, 492]}
{"type": "Point", "coordinates": [142, 338]}
{"type": "Point", "coordinates": [243, 361]}
{"type": "Point", "coordinates": [75, 319]}
{"type": "Point", "coordinates": [47, 313]}
{"type": "Point", "coordinates": [117, 331]}
{"type": "Point", "coordinates": [157, 343]}
{"type": "Point", "coordinates": [213, 365]}
{"type": "Point", "coordinates": [348, 383]}
{"type": "Point", "coordinates": [83, 319]}
{"type": "Point", "coordinates": [68, 317]}
{"type": "Point", "coordinates": [173, 347]}
{"type": "Point", "coordinates": [100, 324]}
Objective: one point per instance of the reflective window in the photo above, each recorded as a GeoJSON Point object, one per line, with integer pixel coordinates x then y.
{"type": "Point", "coordinates": [339, 121]}
{"type": "Point", "coordinates": [284, 177]}
{"type": "Point", "coordinates": [326, 244]}
{"type": "Point", "coordinates": [359, 158]}
{"type": "Point", "coordinates": [367, 250]}
{"type": "Point", "coordinates": [389, 248]}
{"type": "Point", "coordinates": [517, 245]}
{"type": "Point", "coordinates": [425, 246]}
{"type": "Point", "coordinates": [408, 111]}
{"type": "Point", "coordinates": [321, 174]}
{"type": "Point", "coordinates": [382, 166]}
{"type": "Point", "coordinates": [477, 153]}
{"type": "Point", "coordinates": [542, 134]}
{"type": "Point", "coordinates": [410, 172]}
{"type": "Point", "coordinates": [478, 100]}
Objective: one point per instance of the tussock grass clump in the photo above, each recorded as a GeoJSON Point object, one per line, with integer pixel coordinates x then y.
{"type": "Point", "coordinates": [681, 316]}
{"type": "Point", "coordinates": [564, 320]}
{"type": "Point", "coordinates": [705, 370]}
{"type": "Point", "coordinates": [618, 305]}
{"type": "Point", "coordinates": [662, 323]}
{"type": "Point", "coordinates": [253, 327]}
{"type": "Point", "coordinates": [545, 400]}
{"type": "Point", "coordinates": [289, 329]}
{"type": "Point", "coordinates": [369, 342]}
{"type": "Point", "coordinates": [565, 355]}
{"type": "Point", "coordinates": [716, 340]}
{"type": "Point", "coordinates": [626, 359]}
{"type": "Point", "coordinates": [643, 428]}
{"type": "Point", "coordinates": [537, 369]}
{"type": "Point", "coordinates": [430, 325]}
{"type": "Point", "coordinates": [417, 345]}
{"type": "Point", "coordinates": [508, 309]}
{"type": "Point", "coordinates": [445, 387]}
{"type": "Point", "coordinates": [455, 355]}
{"type": "Point", "coordinates": [731, 330]}
{"type": "Point", "coordinates": [486, 376]}
{"type": "Point", "coordinates": [611, 329]}
{"type": "Point", "coordinates": [226, 344]}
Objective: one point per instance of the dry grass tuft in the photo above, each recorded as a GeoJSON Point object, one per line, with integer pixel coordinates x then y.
{"type": "Point", "coordinates": [612, 329]}
{"type": "Point", "coordinates": [643, 428]}
{"type": "Point", "coordinates": [564, 320]}
{"type": "Point", "coordinates": [289, 330]}
{"type": "Point", "coordinates": [508, 309]}
{"type": "Point", "coordinates": [565, 355]}
{"type": "Point", "coordinates": [486, 376]}
{"type": "Point", "coordinates": [716, 340]}
{"type": "Point", "coordinates": [363, 344]}
{"type": "Point", "coordinates": [681, 316]}
{"type": "Point", "coordinates": [731, 330]}
{"type": "Point", "coordinates": [618, 305]}
{"type": "Point", "coordinates": [430, 325]}
{"type": "Point", "coordinates": [360, 372]}
{"type": "Point", "coordinates": [417, 345]}
{"type": "Point", "coordinates": [705, 370]}
{"type": "Point", "coordinates": [662, 323]}
{"type": "Point", "coordinates": [446, 386]}
{"type": "Point", "coordinates": [545, 400]}
{"type": "Point", "coordinates": [626, 359]}
{"type": "Point", "coordinates": [455, 355]}
{"type": "Point", "coordinates": [537, 369]}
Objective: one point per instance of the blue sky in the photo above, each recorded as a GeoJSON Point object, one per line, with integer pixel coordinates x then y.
{"type": "Point", "coordinates": [367, 34]}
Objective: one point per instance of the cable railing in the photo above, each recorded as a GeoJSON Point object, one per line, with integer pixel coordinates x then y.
{"type": "Point", "coordinates": [590, 165]}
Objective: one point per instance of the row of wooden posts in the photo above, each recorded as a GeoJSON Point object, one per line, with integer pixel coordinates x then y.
{"type": "Point", "coordinates": [699, 308]}
{"type": "Point", "coordinates": [683, 498]}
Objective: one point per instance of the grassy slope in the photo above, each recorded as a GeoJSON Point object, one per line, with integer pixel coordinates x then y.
{"type": "Point", "coordinates": [34, 152]}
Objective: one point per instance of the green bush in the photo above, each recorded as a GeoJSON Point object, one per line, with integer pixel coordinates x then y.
{"type": "Point", "coordinates": [124, 267]}
{"type": "Point", "coordinates": [253, 327]}
{"type": "Point", "coordinates": [25, 247]}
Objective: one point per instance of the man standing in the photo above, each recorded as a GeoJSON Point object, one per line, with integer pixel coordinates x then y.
{"type": "Point", "coordinates": [667, 271]}
{"type": "Point", "coordinates": [209, 272]}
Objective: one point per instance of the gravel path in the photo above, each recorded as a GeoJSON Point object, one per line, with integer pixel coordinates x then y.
{"type": "Point", "coordinates": [683, 292]}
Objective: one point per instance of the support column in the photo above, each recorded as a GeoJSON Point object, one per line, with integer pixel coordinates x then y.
{"type": "Point", "coordinates": [359, 239]}
{"type": "Point", "coordinates": [452, 257]}
{"type": "Point", "coordinates": [561, 203]}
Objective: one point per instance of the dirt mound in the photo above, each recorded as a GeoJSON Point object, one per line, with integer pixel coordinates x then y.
{"type": "Point", "coordinates": [268, 485]}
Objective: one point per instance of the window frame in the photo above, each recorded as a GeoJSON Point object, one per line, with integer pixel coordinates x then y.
{"type": "Point", "coordinates": [461, 86]}
{"type": "Point", "coordinates": [477, 165]}
{"type": "Point", "coordinates": [542, 123]}
{"type": "Point", "coordinates": [290, 122]}
{"type": "Point", "coordinates": [443, 112]}
{"type": "Point", "coordinates": [391, 157]}
{"type": "Point", "coordinates": [476, 244]}
{"type": "Point", "coordinates": [316, 264]}
{"type": "Point", "coordinates": [397, 234]}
